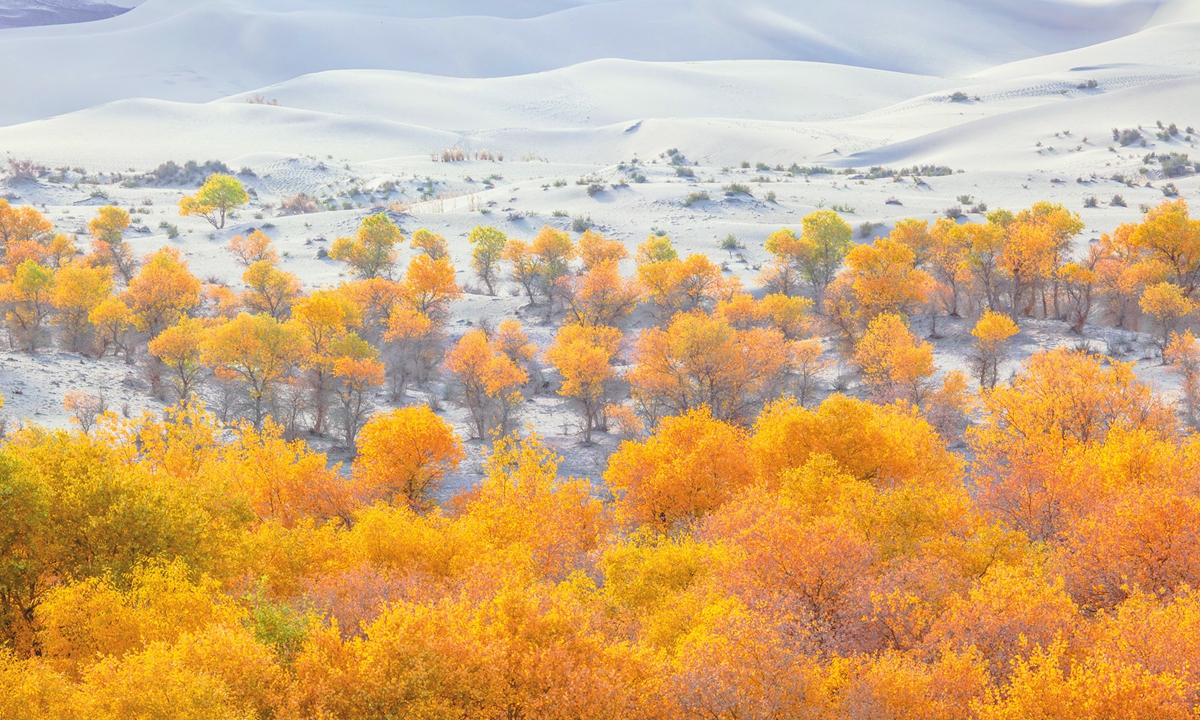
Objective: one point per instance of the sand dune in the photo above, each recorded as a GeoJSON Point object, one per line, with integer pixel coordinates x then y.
{"type": "Point", "coordinates": [200, 50]}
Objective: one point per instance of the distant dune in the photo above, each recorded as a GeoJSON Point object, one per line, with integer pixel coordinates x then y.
{"type": "Point", "coordinates": [201, 50]}
{"type": "Point", "coordinates": [29, 13]}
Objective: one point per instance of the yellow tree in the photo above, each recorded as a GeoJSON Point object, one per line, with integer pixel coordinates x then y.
{"type": "Point", "coordinates": [417, 344]}
{"type": "Point", "coordinates": [1171, 237]}
{"type": "Point", "coordinates": [371, 252]}
{"type": "Point", "coordinates": [697, 284]}
{"type": "Point", "coordinates": [701, 360]}
{"type": "Point", "coordinates": [657, 272]}
{"type": "Point", "coordinates": [255, 247]}
{"type": "Point", "coordinates": [1061, 225]}
{"type": "Point", "coordinates": [691, 465]}
{"type": "Point", "coordinates": [22, 224]}
{"type": "Point", "coordinates": [583, 356]}
{"type": "Point", "coordinates": [403, 456]}
{"type": "Point", "coordinates": [489, 381]}
{"type": "Point", "coordinates": [879, 278]}
{"type": "Point", "coordinates": [526, 268]}
{"type": "Point", "coordinates": [1168, 305]}
{"type": "Point", "coordinates": [113, 321]}
{"type": "Point", "coordinates": [984, 245]}
{"type": "Point", "coordinates": [429, 287]}
{"type": "Point", "coordinates": [77, 291]}
{"type": "Point", "coordinates": [488, 247]}
{"type": "Point", "coordinates": [1033, 451]}
{"type": "Point", "coordinates": [358, 373]}
{"type": "Point", "coordinates": [28, 301]}
{"type": "Point", "coordinates": [1124, 270]}
{"type": "Point", "coordinates": [1184, 355]}
{"type": "Point", "coordinates": [321, 319]}
{"type": "Point", "coordinates": [1028, 257]}
{"type": "Point", "coordinates": [217, 197]}
{"type": "Point", "coordinates": [992, 334]}
{"type": "Point", "coordinates": [948, 261]}
{"type": "Point", "coordinates": [554, 251]}
{"type": "Point", "coordinates": [818, 252]}
{"type": "Point", "coordinates": [256, 350]}
{"type": "Point", "coordinates": [600, 296]}
{"type": "Point", "coordinates": [431, 244]}
{"type": "Point", "coordinates": [178, 348]}
{"type": "Point", "coordinates": [511, 340]}
{"type": "Point", "coordinates": [595, 249]}
{"type": "Point", "coordinates": [162, 292]}
{"type": "Point", "coordinates": [269, 290]}
{"type": "Point", "coordinates": [892, 362]}
{"type": "Point", "coordinates": [108, 245]}
{"type": "Point", "coordinates": [1079, 281]}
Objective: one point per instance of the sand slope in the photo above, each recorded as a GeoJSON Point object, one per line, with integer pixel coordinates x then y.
{"type": "Point", "coordinates": [197, 50]}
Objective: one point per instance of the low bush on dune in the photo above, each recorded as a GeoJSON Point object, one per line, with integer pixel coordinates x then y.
{"type": "Point", "coordinates": [299, 204]}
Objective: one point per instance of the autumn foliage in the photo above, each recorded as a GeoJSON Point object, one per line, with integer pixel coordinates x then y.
{"type": "Point", "coordinates": [763, 543]}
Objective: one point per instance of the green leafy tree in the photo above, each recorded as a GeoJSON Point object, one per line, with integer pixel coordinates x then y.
{"type": "Point", "coordinates": [371, 252]}
{"type": "Point", "coordinates": [219, 195]}
{"type": "Point", "coordinates": [487, 248]}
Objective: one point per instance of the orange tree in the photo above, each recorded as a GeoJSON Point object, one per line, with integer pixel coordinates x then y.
{"type": "Point", "coordinates": [700, 360]}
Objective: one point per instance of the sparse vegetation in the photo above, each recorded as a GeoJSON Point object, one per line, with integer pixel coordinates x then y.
{"type": "Point", "coordinates": [24, 170]}
{"type": "Point", "coordinates": [1126, 137]}
{"type": "Point", "coordinates": [299, 204]}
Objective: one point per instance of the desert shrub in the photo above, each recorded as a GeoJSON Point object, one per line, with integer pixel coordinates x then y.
{"type": "Point", "coordinates": [1117, 201]}
{"type": "Point", "coordinates": [1089, 85]}
{"type": "Point", "coordinates": [1091, 202]}
{"type": "Point", "coordinates": [171, 230]}
{"type": "Point", "coordinates": [24, 170]}
{"type": "Point", "coordinates": [1176, 164]}
{"type": "Point", "coordinates": [811, 170]}
{"type": "Point", "coordinates": [736, 189]}
{"type": "Point", "coordinates": [1169, 190]}
{"type": "Point", "coordinates": [675, 157]}
{"type": "Point", "coordinates": [694, 198]}
{"type": "Point", "coordinates": [867, 229]}
{"type": "Point", "coordinates": [953, 212]}
{"type": "Point", "coordinates": [581, 224]}
{"type": "Point", "coordinates": [594, 189]}
{"type": "Point", "coordinates": [171, 173]}
{"type": "Point", "coordinates": [893, 201]}
{"type": "Point", "coordinates": [879, 171]}
{"type": "Point", "coordinates": [959, 96]}
{"type": "Point", "coordinates": [299, 204]}
{"type": "Point", "coordinates": [685, 172]}
{"type": "Point", "coordinates": [965, 199]}
{"type": "Point", "coordinates": [979, 209]}
{"type": "Point", "coordinates": [1126, 137]}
